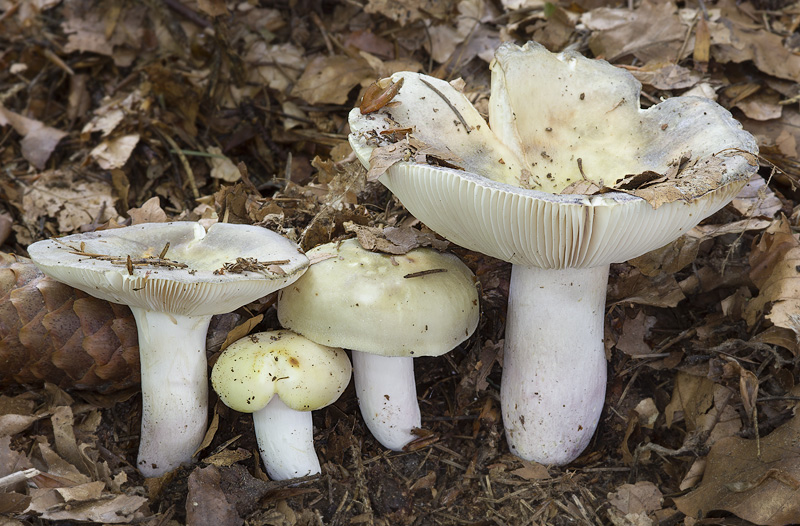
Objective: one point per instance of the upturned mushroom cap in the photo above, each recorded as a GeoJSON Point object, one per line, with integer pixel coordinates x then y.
{"type": "Point", "coordinates": [305, 375]}
{"type": "Point", "coordinates": [196, 276]}
{"type": "Point", "coordinates": [423, 303]}
{"type": "Point", "coordinates": [557, 121]}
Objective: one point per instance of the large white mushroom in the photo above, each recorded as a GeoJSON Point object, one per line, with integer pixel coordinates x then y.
{"type": "Point", "coordinates": [570, 176]}
{"type": "Point", "coordinates": [174, 277]}
{"type": "Point", "coordinates": [304, 375]}
{"type": "Point", "coordinates": [387, 309]}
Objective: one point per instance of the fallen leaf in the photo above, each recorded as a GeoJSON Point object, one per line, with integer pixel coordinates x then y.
{"type": "Point", "coordinates": [532, 471]}
{"type": "Point", "coordinates": [222, 167]}
{"type": "Point", "coordinates": [653, 33]}
{"type": "Point", "coordinates": [328, 80]}
{"type": "Point", "coordinates": [757, 199]}
{"type": "Point", "coordinates": [206, 503]}
{"type": "Point", "coordinates": [641, 497]}
{"type": "Point", "coordinates": [775, 270]}
{"type": "Point", "coordinates": [114, 153]}
{"type": "Point", "coordinates": [758, 481]}
{"type": "Point", "coordinates": [38, 141]}
{"type": "Point", "coordinates": [73, 201]}
{"type": "Point", "coordinates": [109, 509]}
{"type": "Point", "coordinates": [666, 75]}
{"type": "Point", "coordinates": [693, 396]}
{"type": "Point", "coordinates": [149, 212]}
{"type": "Point", "coordinates": [632, 286]}
{"type": "Point", "coordinates": [634, 332]}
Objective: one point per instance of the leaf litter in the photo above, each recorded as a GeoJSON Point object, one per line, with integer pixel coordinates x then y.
{"type": "Point", "coordinates": [127, 113]}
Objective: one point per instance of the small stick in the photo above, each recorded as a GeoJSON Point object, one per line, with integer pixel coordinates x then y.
{"type": "Point", "coordinates": [425, 272]}
{"type": "Point", "coordinates": [458, 114]}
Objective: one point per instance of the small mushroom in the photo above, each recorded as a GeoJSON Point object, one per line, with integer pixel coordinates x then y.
{"type": "Point", "coordinates": [387, 309]}
{"type": "Point", "coordinates": [513, 190]}
{"type": "Point", "coordinates": [174, 277]}
{"type": "Point", "coordinates": [306, 376]}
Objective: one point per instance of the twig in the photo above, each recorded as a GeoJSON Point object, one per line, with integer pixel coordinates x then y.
{"type": "Point", "coordinates": [458, 114]}
{"type": "Point", "coordinates": [185, 163]}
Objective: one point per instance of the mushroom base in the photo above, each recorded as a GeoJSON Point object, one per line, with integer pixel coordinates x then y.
{"type": "Point", "coordinates": [172, 351]}
{"type": "Point", "coordinates": [286, 441]}
{"type": "Point", "coordinates": [554, 366]}
{"type": "Point", "coordinates": [387, 397]}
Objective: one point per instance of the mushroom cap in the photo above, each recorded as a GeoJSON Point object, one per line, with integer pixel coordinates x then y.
{"type": "Point", "coordinates": [501, 199]}
{"type": "Point", "coordinates": [190, 279]}
{"type": "Point", "coordinates": [380, 304]}
{"type": "Point", "coordinates": [305, 375]}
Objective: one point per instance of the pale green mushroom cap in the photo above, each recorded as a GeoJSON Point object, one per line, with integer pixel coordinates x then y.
{"type": "Point", "coordinates": [423, 303]}
{"type": "Point", "coordinates": [305, 375]}
{"type": "Point", "coordinates": [191, 279]}
{"type": "Point", "coordinates": [552, 117]}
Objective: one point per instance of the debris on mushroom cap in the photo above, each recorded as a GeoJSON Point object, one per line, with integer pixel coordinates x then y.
{"type": "Point", "coordinates": [422, 303]}
{"type": "Point", "coordinates": [686, 159]}
{"type": "Point", "coordinates": [579, 119]}
{"type": "Point", "coordinates": [176, 267]}
{"type": "Point", "coordinates": [305, 375]}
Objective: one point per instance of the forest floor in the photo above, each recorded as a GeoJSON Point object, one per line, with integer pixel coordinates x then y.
{"type": "Point", "coordinates": [123, 112]}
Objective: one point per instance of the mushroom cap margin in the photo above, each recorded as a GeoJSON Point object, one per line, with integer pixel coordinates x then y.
{"type": "Point", "coordinates": [195, 290]}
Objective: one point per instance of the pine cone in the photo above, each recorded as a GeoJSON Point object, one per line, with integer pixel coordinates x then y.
{"type": "Point", "coordinates": [50, 332]}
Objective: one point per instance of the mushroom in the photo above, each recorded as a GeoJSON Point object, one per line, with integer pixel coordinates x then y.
{"type": "Point", "coordinates": [174, 277]}
{"type": "Point", "coordinates": [306, 376]}
{"type": "Point", "coordinates": [387, 309]}
{"type": "Point", "coordinates": [570, 176]}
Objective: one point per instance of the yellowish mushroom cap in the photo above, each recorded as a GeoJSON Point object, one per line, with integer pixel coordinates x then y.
{"type": "Point", "coordinates": [423, 303]}
{"type": "Point", "coordinates": [305, 375]}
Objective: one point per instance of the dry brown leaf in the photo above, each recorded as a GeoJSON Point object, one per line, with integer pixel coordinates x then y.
{"type": "Point", "coordinates": [405, 11]}
{"type": "Point", "coordinates": [634, 332]}
{"type": "Point", "coordinates": [757, 199]}
{"type": "Point", "coordinates": [72, 201]}
{"type": "Point", "coordinates": [222, 167]}
{"type": "Point", "coordinates": [38, 141]}
{"type": "Point", "coordinates": [328, 80]}
{"type": "Point", "coordinates": [393, 240]}
{"type": "Point", "coordinates": [149, 212]}
{"type": "Point", "coordinates": [642, 497]}
{"type": "Point", "coordinates": [107, 509]}
{"type": "Point", "coordinates": [241, 330]}
{"type": "Point", "coordinates": [666, 75]}
{"type": "Point", "coordinates": [277, 66]}
{"type": "Point", "coordinates": [762, 106]}
{"type": "Point", "coordinates": [384, 157]}
{"type": "Point", "coordinates": [774, 261]}
{"type": "Point", "coordinates": [693, 396]}
{"type": "Point", "coordinates": [758, 481]}
{"type": "Point", "coordinates": [114, 153]}
{"type": "Point", "coordinates": [532, 471]}
{"type": "Point", "coordinates": [765, 49]}
{"type": "Point", "coordinates": [653, 33]}
{"type": "Point", "coordinates": [670, 258]}
{"type": "Point", "coordinates": [206, 503]}
{"type": "Point", "coordinates": [632, 286]}
{"type": "Point", "coordinates": [213, 7]}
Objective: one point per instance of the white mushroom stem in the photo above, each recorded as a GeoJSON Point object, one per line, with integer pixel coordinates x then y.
{"type": "Point", "coordinates": [172, 351]}
{"type": "Point", "coordinates": [286, 441]}
{"type": "Point", "coordinates": [554, 366]}
{"type": "Point", "coordinates": [387, 397]}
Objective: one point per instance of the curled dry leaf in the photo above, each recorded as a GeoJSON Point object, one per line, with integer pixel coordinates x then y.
{"type": "Point", "coordinates": [394, 240]}
{"type": "Point", "coordinates": [774, 261]}
{"type": "Point", "coordinates": [114, 153]}
{"type": "Point", "coordinates": [758, 481]}
{"type": "Point", "coordinates": [38, 141]}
